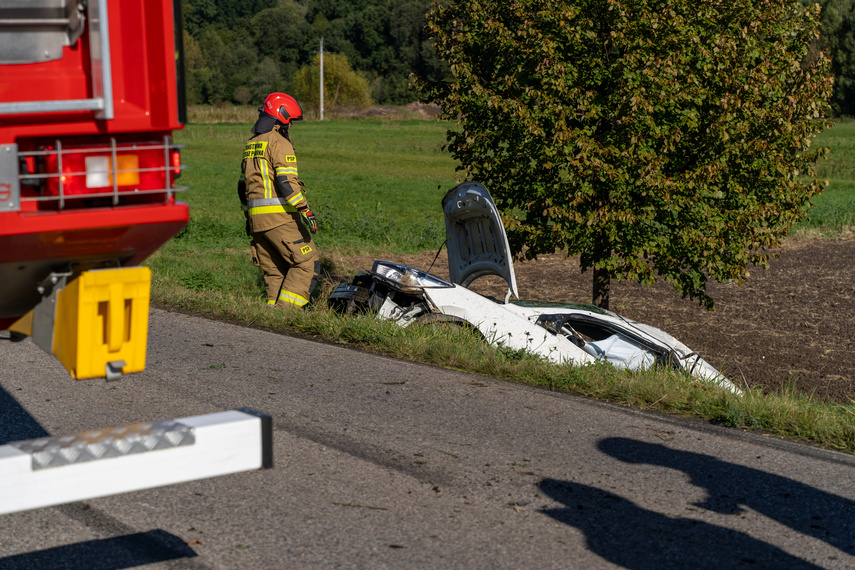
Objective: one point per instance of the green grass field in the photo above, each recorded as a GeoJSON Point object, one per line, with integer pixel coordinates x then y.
{"type": "Point", "coordinates": [834, 210]}
{"type": "Point", "coordinates": [373, 185]}
{"type": "Point", "coordinates": [376, 186]}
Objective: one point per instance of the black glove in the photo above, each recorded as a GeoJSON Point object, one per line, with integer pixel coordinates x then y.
{"type": "Point", "coordinates": [309, 219]}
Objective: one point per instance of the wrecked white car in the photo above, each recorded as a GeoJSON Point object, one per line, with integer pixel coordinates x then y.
{"type": "Point", "coordinates": [562, 333]}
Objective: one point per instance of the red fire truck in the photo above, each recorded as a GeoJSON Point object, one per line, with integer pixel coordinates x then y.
{"type": "Point", "coordinates": [89, 100]}
{"type": "Point", "coordinates": [91, 93]}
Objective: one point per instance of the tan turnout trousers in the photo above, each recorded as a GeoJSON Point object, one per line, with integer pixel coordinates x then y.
{"type": "Point", "coordinates": [287, 256]}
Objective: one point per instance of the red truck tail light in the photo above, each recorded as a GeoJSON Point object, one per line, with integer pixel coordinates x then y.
{"type": "Point", "coordinates": [116, 169]}
{"type": "Point", "coordinates": [99, 171]}
{"type": "Point", "coordinates": [176, 163]}
{"type": "Point", "coordinates": [88, 171]}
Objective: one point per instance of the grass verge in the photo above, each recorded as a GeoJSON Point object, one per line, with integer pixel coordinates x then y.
{"type": "Point", "coordinates": [789, 414]}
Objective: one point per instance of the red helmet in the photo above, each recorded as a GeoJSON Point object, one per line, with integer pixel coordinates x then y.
{"type": "Point", "coordinates": [282, 107]}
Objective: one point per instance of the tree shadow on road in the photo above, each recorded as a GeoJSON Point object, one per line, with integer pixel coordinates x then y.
{"type": "Point", "coordinates": [821, 515]}
{"type": "Point", "coordinates": [127, 551]}
{"type": "Point", "coordinates": [15, 422]}
{"type": "Point", "coordinates": [623, 533]}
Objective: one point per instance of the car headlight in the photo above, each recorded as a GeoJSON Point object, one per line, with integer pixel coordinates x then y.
{"type": "Point", "coordinates": [407, 277]}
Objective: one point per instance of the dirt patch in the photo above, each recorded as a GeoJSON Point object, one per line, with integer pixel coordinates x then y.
{"type": "Point", "coordinates": [419, 111]}
{"type": "Point", "coordinates": [789, 327]}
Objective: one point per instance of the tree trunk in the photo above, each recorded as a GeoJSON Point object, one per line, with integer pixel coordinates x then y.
{"type": "Point", "coordinates": [602, 281]}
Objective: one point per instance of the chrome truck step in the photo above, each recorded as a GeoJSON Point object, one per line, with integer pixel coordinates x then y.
{"type": "Point", "coordinates": [61, 469]}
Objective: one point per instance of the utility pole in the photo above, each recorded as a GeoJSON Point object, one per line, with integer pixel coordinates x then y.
{"type": "Point", "coordinates": [322, 81]}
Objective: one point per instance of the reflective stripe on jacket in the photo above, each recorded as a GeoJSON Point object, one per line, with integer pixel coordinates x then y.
{"type": "Point", "coordinates": [269, 206]}
{"type": "Point", "coordinates": [269, 188]}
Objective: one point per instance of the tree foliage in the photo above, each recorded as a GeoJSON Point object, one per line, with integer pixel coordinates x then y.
{"type": "Point", "coordinates": [653, 137]}
{"type": "Point", "coordinates": [199, 14]}
{"type": "Point", "coordinates": [343, 87]}
{"type": "Point", "coordinates": [837, 39]}
{"type": "Point", "coordinates": [384, 40]}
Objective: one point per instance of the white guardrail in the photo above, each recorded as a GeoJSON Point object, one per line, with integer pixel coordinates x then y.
{"type": "Point", "coordinates": [61, 469]}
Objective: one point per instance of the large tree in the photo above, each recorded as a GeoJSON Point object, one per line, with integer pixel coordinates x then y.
{"type": "Point", "coordinates": [652, 137]}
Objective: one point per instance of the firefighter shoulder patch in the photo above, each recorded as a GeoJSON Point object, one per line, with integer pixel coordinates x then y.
{"type": "Point", "coordinates": [305, 249]}
{"type": "Point", "coordinates": [254, 149]}
{"type": "Point", "coordinates": [290, 158]}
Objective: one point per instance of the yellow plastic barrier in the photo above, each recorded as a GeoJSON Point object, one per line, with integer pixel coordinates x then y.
{"type": "Point", "coordinates": [102, 318]}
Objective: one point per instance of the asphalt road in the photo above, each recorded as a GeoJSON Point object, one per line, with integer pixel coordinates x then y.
{"type": "Point", "coordinates": [386, 464]}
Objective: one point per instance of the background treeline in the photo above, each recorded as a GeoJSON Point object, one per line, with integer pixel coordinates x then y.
{"type": "Point", "coordinates": [239, 50]}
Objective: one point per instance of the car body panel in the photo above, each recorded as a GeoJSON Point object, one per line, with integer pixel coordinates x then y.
{"type": "Point", "coordinates": [503, 327]}
{"type": "Point", "coordinates": [475, 237]}
{"type": "Point", "coordinates": [563, 333]}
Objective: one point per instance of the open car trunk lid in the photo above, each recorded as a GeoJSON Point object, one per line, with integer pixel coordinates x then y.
{"type": "Point", "coordinates": [476, 238]}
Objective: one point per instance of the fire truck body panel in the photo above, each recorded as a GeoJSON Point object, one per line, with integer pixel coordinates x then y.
{"type": "Point", "coordinates": [88, 168]}
{"type": "Point", "coordinates": [139, 89]}
{"type": "Point", "coordinates": [34, 246]}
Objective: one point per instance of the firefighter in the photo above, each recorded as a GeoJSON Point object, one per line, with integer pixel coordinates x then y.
{"type": "Point", "coordinates": [277, 214]}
